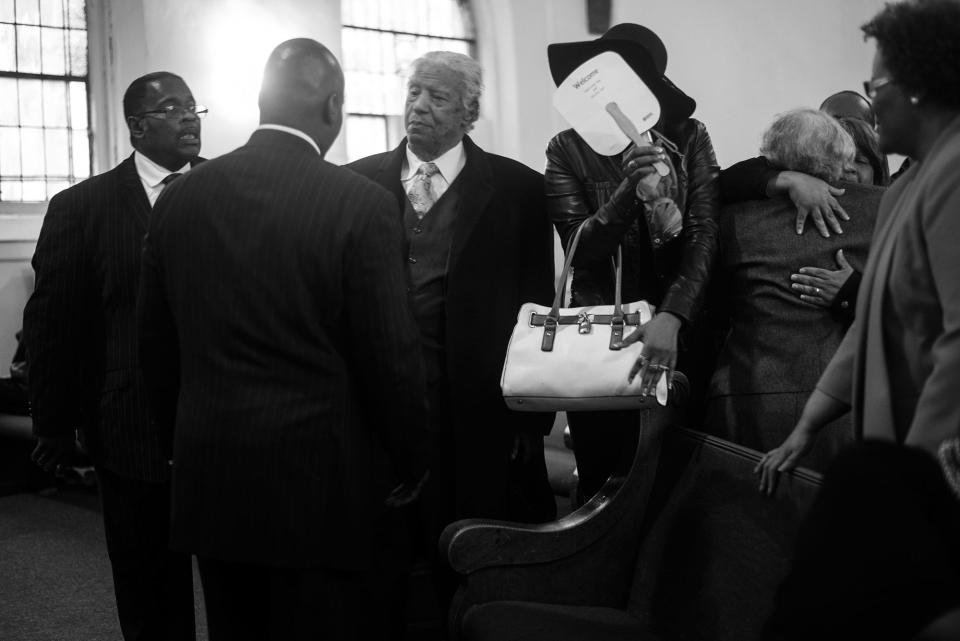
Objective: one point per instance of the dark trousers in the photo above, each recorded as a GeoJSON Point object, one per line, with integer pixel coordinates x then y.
{"type": "Point", "coordinates": [258, 603]}
{"type": "Point", "coordinates": [604, 444]}
{"type": "Point", "coordinates": [153, 585]}
{"type": "Point", "coordinates": [877, 557]}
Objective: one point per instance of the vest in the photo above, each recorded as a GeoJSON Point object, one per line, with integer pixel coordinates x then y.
{"type": "Point", "coordinates": [428, 260]}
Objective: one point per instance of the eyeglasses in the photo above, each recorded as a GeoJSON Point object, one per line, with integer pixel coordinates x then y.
{"type": "Point", "coordinates": [175, 111]}
{"type": "Point", "coordinates": [870, 86]}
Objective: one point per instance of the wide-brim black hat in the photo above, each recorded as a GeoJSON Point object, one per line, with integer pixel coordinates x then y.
{"type": "Point", "coordinates": [642, 49]}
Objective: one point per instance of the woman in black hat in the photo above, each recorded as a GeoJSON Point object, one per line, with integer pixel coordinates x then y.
{"type": "Point", "coordinates": [668, 234]}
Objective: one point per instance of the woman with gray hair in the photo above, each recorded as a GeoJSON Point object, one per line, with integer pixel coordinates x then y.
{"type": "Point", "coordinates": [777, 345]}
{"type": "Point", "coordinates": [810, 141]}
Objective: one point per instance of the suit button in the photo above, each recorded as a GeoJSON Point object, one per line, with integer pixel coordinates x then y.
{"type": "Point", "coordinates": [657, 242]}
{"type": "Point", "coordinates": [845, 304]}
{"type": "Point", "coordinates": [411, 260]}
{"type": "Point", "coordinates": [417, 230]}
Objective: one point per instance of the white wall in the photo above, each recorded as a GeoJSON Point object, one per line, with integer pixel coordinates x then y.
{"type": "Point", "coordinates": [742, 60]}
{"type": "Point", "coordinates": [219, 47]}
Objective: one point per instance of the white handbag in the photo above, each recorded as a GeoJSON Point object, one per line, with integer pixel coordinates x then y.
{"type": "Point", "coordinates": [571, 358]}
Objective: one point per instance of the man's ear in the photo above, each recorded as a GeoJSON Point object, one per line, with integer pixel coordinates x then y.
{"type": "Point", "coordinates": [333, 109]}
{"type": "Point", "coordinates": [136, 126]}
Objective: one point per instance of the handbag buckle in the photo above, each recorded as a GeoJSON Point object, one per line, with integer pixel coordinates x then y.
{"type": "Point", "coordinates": [616, 332]}
{"type": "Point", "coordinates": [549, 332]}
{"type": "Point", "coordinates": [583, 323]}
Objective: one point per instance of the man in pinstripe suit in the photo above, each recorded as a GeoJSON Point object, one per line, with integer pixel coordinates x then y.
{"type": "Point", "coordinates": [277, 341]}
{"type": "Point", "coordinates": [80, 333]}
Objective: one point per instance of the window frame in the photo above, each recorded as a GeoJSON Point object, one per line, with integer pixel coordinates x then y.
{"type": "Point", "coordinates": [20, 221]}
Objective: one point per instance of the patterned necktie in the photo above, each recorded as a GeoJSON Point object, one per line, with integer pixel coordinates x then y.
{"type": "Point", "coordinates": [421, 193]}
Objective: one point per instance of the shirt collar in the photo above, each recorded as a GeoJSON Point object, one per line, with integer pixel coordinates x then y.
{"type": "Point", "coordinates": [151, 173]}
{"type": "Point", "coordinates": [293, 132]}
{"type": "Point", "coordinates": [449, 163]}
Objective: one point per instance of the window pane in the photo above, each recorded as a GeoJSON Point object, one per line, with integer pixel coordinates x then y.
{"type": "Point", "coordinates": [28, 11]}
{"type": "Point", "coordinates": [365, 136]}
{"type": "Point", "coordinates": [77, 14]}
{"type": "Point", "coordinates": [78, 53]}
{"type": "Point", "coordinates": [54, 51]}
{"type": "Point", "coordinates": [9, 107]}
{"type": "Point", "coordinates": [51, 13]}
{"type": "Point", "coordinates": [8, 48]}
{"type": "Point", "coordinates": [11, 190]}
{"type": "Point", "coordinates": [54, 103]}
{"type": "Point", "coordinates": [7, 14]}
{"type": "Point", "coordinates": [57, 150]}
{"type": "Point", "coordinates": [389, 17]}
{"type": "Point", "coordinates": [32, 151]}
{"type": "Point", "coordinates": [54, 187]}
{"type": "Point", "coordinates": [31, 105]}
{"type": "Point", "coordinates": [34, 191]}
{"type": "Point", "coordinates": [78, 105]}
{"type": "Point", "coordinates": [28, 49]}
{"type": "Point", "coordinates": [81, 154]}
{"type": "Point", "coordinates": [9, 151]}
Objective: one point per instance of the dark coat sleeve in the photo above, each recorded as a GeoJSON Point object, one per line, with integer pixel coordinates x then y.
{"type": "Point", "coordinates": [384, 339]}
{"type": "Point", "coordinates": [57, 319]}
{"type": "Point", "coordinates": [746, 180]}
{"type": "Point", "coordinates": [536, 271]}
{"type": "Point", "coordinates": [844, 307]}
{"type": "Point", "coordinates": [700, 237]}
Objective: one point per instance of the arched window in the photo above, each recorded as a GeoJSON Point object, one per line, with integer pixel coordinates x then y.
{"type": "Point", "coordinates": [380, 40]}
{"type": "Point", "coordinates": [44, 129]}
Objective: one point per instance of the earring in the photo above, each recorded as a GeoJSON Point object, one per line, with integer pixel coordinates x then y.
{"type": "Point", "coordinates": [914, 100]}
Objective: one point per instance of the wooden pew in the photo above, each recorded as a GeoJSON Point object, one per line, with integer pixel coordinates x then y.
{"type": "Point", "coordinates": [683, 548]}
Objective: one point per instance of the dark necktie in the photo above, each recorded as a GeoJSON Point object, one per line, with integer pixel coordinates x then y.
{"type": "Point", "coordinates": [170, 178]}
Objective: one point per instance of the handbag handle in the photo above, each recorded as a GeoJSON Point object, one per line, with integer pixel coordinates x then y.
{"type": "Point", "coordinates": [616, 319]}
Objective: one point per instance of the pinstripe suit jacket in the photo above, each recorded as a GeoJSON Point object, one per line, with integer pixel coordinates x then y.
{"type": "Point", "coordinates": [80, 324]}
{"type": "Point", "coordinates": [273, 282]}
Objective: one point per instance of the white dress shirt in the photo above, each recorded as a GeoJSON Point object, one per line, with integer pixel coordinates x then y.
{"type": "Point", "coordinates": [152, 175]}
{"type": "Point", "coordinates": [449, 166]}
{"type": "Point", "coordinates": [292, 132]}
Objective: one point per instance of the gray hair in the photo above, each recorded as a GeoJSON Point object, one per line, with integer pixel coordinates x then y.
{"type": "Point", "coordinates": [810, 141]}
{"type": "Point", "coordinates": [470, 75]}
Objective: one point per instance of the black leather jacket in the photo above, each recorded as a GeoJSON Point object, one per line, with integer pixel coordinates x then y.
{"type": "Point", "coordinates": [671, 274]}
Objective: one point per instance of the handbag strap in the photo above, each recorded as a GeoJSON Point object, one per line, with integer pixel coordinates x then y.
{"type": "Point", "coordinates": [553, 318]}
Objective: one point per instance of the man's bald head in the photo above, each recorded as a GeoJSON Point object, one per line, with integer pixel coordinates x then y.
{"type": "Point", "coordinates": [303, 88]}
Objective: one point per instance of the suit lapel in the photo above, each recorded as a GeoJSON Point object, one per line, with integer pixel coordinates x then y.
{"type": "Point", "coordinates": [132, 196]}
{"type": "Point", "coordinates": [476, 190]}
{"type": "Point", "coordinates": [388, 173]}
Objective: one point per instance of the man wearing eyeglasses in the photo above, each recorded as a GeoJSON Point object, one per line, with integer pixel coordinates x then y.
{"type": "Point", "coordinates": [80, 332]}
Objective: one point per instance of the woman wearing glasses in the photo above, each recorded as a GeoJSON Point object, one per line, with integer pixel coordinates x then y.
{"type": "Point", "coordinates": [899, 366]}
{"type": "Point", "coordinates": [878, 555]}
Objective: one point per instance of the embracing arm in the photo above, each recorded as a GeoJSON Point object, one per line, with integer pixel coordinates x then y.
{"type": "Point", "coordinates": [758, 178]}
{"type": "Point", "coordinates": [746, 180]}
